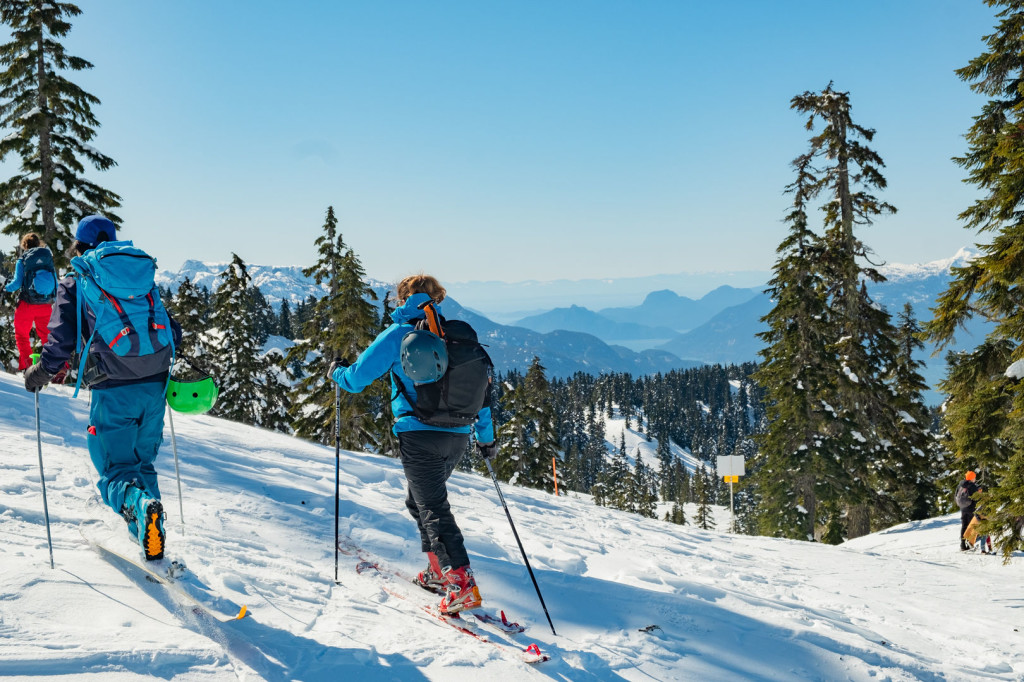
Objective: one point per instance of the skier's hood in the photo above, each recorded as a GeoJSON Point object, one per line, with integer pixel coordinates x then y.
{"type": "Point", "coordinates": [410, 310]}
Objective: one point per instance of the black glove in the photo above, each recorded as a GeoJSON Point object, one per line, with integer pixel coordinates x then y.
{"type": "Point", "coordinates": [36, 377]}
{"type": "Point", "coordinates": [336, 364]}
{"type": "Point", "coordinates": [487, 450]}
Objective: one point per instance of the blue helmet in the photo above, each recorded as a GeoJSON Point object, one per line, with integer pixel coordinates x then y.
{"type": "Point", "coordinates": [424, 356]}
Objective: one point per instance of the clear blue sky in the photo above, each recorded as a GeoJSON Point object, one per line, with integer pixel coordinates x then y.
{"type": "Point", "coordinates": [534, 139]}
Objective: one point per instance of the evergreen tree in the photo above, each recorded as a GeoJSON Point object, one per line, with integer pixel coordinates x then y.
{"type": "Point", "coordinates": [52, 123]}
{"type": "Point", "coordinates": [793, 373]}
{"type": "Point", "coordinates": [914, 461]}
{"type": "Point", "coordinates": [529, 439]}
{"type": "Point", "coordinates": [251, 391]}
{"type": "Point", "coordinates": [645, 489]}
{"type": "Point", "coordinates": [667, 472]}
{"type": "Point", "coordinates": [618, 479]}
{"type": "Point", "coordinates": [340, 325]}
{"type": "Point", "coordinates": [284, 324]}
{"type": "Point", "coordinates": [190, 311]}
{"type": "Point", "coordinates": [832, 447]}
{"type": "Point", "coordinates": [263, 314]}
{"type": "Point", "coordinates": [705, 517]}
{"type": "Point", "coordinates": [990, 285]}
{"type": "Point", "coordinates": [676, 515]}
{"type": "Point", "coordinates": [379, 395]}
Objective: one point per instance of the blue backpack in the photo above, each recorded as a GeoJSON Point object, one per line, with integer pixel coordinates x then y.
{"type": "Point", "coordinates": [40, 278]}
{"type": "Point", "coordinates": [116, 282]}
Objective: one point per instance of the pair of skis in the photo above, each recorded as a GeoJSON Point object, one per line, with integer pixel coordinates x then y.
{"type": "Point", "coordinates": [401, 585]}
{"type": "Point", "coordinates": [170, 574]}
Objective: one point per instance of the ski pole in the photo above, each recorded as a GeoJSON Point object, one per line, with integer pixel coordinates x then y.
{"type": "Point", "coordinates": [523, 551]}
{"type": "Point", "coordinates": [337, 472]}
{"type": "Point", "coordinates": [42, 481]}
{"type": "Point", "coordinates": [177, 474]}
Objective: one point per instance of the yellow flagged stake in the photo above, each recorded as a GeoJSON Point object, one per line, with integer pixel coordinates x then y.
{"type": "Point", "coordinates": [554, 470]}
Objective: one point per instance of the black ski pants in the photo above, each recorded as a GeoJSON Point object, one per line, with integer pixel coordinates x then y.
{"type": "Point", "coordinates": [965, 520]}
{"type": "Point", "coordinates": [429, 457]}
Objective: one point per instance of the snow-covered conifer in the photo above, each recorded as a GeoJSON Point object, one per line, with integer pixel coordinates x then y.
{"type": "Point", "coordinates": [340, 325]}
{"type": "Point", "coordinates": [831, 347]}
{"type": "Point", "coordinates": [528, 439]}
{"type": "Point", "coordinates": [52, 125]}
{"type": "Point", "coordinates": [251, 390]}
{"type": "Point", "coordinates": [985, 402]}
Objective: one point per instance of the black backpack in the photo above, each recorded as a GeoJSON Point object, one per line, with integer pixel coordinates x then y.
{"type": "Point", "coordinates": [457, 397]}
{"type": "Point", "coordinates": [40, 278]}
{"type": "Point", "coordinates": [962, 497]}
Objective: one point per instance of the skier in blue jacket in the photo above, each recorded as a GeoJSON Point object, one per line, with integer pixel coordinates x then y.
{"type": "Point", "coordinates": [126, 413]}
{"type": "Point", "coordinates": [429, 453]}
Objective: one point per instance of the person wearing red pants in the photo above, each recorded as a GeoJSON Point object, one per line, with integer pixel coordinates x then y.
{"type": "Point", "coordinates": [36, 281]}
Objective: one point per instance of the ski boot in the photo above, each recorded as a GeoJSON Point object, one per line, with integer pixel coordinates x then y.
{"type": "Point", "coordinates": [431, 578]}
{"type": "Point", "coordinates": [145, 518]}
{"type": "Point", "coordinates": [461, 593]}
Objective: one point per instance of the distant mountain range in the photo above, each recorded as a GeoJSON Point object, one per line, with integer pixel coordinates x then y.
{"type": "Point", "coordinates": [563, 353]}
{"type": "Point", "coordinates": [666, 331]}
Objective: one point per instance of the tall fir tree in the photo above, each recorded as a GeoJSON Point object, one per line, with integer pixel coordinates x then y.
{"type": "Point", "coordinates": [251, 388]}
{"type": "Point", "coordinates": [914, 462]}
{"type": "Point", "coordinates": [989, 286]}
{"type": "Point", "coordinates": [284, 321]}
{"type": "Point", "coordinates": [52, 125]}
{"type": "Point", "coordinates": [794, 374]}
{"type": "Point", "coordinates": [645, 488]}
{"type": "Point", "coordinates": [853, 415]}
{"type": "Point", "coordinates": [529, 439]}
{"type": "Point", "coordinates": [188, 306]}
{"type": "Point", "coordinates": [705, 517]}
{"type": "Point", "coordinates": [339, 325]}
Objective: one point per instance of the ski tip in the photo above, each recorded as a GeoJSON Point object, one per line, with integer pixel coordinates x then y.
{"type": "Point", "coordinates": [242, 613]}
{"type": "Point", "coordinates": [533, 654]}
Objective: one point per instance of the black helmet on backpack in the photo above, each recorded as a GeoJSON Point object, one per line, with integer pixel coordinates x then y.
{"type": "Point", "coordinates": [424, 356]}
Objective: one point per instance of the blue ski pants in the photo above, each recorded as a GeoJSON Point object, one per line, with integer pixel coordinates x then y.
{"type": "Point", "coordinates": [126, 427]}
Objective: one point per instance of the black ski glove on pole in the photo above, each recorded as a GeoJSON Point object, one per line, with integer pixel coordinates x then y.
{"type": "Point", "coordinates": [487, 450]}
{"type": "Point", "coordinates": [36, 377]}
{"type": "Point", "coordinates": [337, 364]}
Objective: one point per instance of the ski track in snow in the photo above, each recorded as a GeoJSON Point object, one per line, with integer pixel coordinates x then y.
{"type": "Point", "coordinates": [902, 604]}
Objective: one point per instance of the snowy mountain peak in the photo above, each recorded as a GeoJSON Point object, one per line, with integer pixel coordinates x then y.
{"type": "Point", "coordinates": [276, 282]}
{"type": "Point", "coordinates": [903, 272]}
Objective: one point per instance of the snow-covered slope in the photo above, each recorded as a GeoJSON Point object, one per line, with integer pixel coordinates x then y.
{"type": "Point", "coordinates": [259, 524]}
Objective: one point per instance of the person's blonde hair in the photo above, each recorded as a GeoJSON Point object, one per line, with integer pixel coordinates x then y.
{"type": "Point", "coordinates": [30, 241]}
{"type": "Point", "coordinates": [420, 284]}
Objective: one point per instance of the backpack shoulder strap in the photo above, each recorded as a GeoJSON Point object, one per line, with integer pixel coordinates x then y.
{"type": "Point", "coordinates": [83, 351]}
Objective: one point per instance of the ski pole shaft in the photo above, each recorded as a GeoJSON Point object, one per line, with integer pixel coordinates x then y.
{"type": "Point", "coordinates": [42, 481]}
{"type": "Point", "coordinates": [519, 542]}
{"type": "Point", "coordinates": [337, 473]}
{"type": "Point", "coordinates": [177, 474]}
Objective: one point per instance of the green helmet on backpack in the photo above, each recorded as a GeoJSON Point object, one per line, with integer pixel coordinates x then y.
{"type": "Point", "coordinates": [193, 396]}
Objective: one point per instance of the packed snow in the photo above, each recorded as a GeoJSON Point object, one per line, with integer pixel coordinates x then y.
{"type": "Point", "coordinates": [258, 530]}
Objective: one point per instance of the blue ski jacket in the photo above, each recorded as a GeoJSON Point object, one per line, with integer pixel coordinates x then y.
{"type": "Point", "coordinates": [384, 356]}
